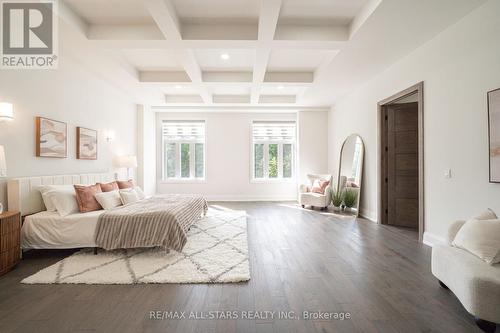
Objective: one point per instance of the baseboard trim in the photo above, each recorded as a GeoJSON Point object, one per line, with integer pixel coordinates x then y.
{"type": "Point", "coordinates": [249, 198]}
{"type": "Point", "coordinates": [369, 215]}
{"type": "Point", "coordinates": [433, 240]}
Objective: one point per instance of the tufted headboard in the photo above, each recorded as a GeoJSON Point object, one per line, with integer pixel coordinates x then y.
{"type": "Point", "coordinates": [22, 195]}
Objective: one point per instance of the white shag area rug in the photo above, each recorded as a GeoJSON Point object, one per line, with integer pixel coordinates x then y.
{"type": "Point", "coordinates": [216, 252]}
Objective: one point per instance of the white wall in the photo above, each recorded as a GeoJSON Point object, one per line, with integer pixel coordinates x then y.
{"type": "Point", "coordinates": [458, 67]}
{"type": "Point", "coordinates": [228, 156]}
{"type": "Point", "coordinates": [69, 94]}
{"type": "Point", "coordinates": [313, 143]}
{"type": "Point", "coordinates": [146, 152]}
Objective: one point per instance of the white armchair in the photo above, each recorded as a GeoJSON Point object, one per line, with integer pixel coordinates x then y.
{"type": "Point", "coordinates": [308, 198]}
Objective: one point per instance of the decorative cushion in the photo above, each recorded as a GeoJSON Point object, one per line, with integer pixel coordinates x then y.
{"type": "Point", "coordinates": [64, 201]}
{"type": "Point", "coordinates": [45, 189]}
{"type": "Point", "coordinates": [139, 192]}
{"type": "Point", "coordinates": [109, 200]}
{"type": "Point", "coordinates": [85, 196]}
{"type": "Point", "coordinates": [128, 195]}
{"type": "Point", "coordinates": [108, 187]}
{"type": "Point", "coordinates": [123, 184]}
{"type": "Point", "coordinates": [488, 214]}
{"type": "Point", "coordinates": [481, 238]}
{"type": "Point", "coordinates": [319, 186]}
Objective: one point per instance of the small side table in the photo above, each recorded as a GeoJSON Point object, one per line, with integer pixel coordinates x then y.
{"type": "Point", "coordinates": [10, 240]}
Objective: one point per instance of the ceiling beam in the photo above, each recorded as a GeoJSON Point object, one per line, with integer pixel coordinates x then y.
{"type": "Point", "coordinates": [163, 13]}
{"type": "Point", "coordinates": [163, 77]}
{"type": "Point", "coordinates": [233, 76]}
{"type": "Point", "coordinates": [268, 21]}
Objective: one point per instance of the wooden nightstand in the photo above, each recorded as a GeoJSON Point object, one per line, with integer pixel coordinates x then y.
{"type": "Point", "coordinates": [10, 240]}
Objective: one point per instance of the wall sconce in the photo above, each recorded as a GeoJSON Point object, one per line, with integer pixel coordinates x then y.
{"type": "Point", "coordinates": [109, 135]}
{"type": "Point", "coordinates": [6, 112]}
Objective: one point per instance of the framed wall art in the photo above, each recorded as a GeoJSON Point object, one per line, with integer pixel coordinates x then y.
{"type": "Point", "coordinates": [51, 138]}
{"type": "Point", "coordinates": [86, 143]}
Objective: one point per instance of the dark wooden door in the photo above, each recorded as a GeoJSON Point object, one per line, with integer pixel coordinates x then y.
{"type": "Point", "coordinates": [402, 164]}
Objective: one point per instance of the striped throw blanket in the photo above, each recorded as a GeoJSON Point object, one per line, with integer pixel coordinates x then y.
{"type": "Point", "coordinates": [157, 221]}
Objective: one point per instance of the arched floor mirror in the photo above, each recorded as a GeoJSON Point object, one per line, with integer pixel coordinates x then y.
{"type": "Point", "coordinates": [350, 174]}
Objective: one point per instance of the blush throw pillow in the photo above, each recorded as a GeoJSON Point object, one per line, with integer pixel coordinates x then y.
{"type": "Point", "coordinates": [319, 186]}
{"type": "Point", "coordinates": [481, 238]}
{"type": "Point", "coordinates": [85, 196]}
{"type": "Point", "coordinates": [108, 187]}
{"type": "Point", "coordinates": [123, 184]}
{"type": "Point", "coordinates": [109, 200]}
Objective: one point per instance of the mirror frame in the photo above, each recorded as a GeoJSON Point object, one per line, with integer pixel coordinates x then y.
{"type": "Point", "coordinates": [360, 174]}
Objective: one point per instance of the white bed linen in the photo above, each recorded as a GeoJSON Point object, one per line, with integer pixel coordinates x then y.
{"type": "Point", "coordinates": [49, 230]}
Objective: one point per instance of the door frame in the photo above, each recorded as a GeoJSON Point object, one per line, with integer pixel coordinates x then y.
{"type": "Point", "coordinates": [382, 188]}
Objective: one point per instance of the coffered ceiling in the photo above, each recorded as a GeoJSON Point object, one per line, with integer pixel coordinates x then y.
{"type": "Point", "coordinates": [240, 52]}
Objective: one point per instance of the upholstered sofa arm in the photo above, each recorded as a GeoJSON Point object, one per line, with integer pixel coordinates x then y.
{"type": "Point", "coordinates": [328, 194]}
{"type": "Point", "coordinates": [453, 230]}
{"type": "Point", "coordinates": [303, 188]}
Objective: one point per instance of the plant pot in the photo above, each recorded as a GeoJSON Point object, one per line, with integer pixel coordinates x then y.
{"type": "Point", "coordinates": [348, 209]}
{"type": "Point", "coordinates": [336, 208]}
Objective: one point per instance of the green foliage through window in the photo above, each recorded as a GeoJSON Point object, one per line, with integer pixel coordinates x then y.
{"type": "Point", "coordinates": [259, 160]}
{"type": "Point", "coordinates": [273, 161]}
{"type": "Point", "coordinates": [287, 160]}
{"type": "Point", "coordinates": [199, 160]}
{"type": "Point", "coordinates": [185, 171]}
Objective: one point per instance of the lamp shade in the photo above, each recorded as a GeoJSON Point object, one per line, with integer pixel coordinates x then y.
{"type": "Point", "coordinates": [6, 111]}
{"type": "Point", "coordinates": [126, 161]}
{"type": "Point", "coordinates": [3, 163]}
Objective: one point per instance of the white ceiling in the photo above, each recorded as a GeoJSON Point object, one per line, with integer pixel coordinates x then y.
{"type": "Point", "coordinates": [283, 53]}
{"type": "Point", "coordinates": [111, 11]}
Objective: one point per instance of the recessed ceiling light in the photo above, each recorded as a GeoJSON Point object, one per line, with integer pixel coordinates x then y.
{"type": "Point", "coordinates": [178, 86]}
{"type": "Point", "coordinates": [280, 87]}
{"type": "Point", "coordinates": [224, 56]}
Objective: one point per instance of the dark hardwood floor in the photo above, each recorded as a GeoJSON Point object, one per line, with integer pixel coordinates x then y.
{"type": "Point", "coordinates": [301, 260]}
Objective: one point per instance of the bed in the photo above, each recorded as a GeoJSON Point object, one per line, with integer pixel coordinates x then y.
{"type": "Point", "coordinates": [49, 230]}
{"type": "Point", "coordinates": [154, 221]}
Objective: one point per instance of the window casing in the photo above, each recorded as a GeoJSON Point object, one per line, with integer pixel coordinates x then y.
{"type": "Point", "coordinates": [183, 150]}
{"type": "Point", "coordinates": [273, 150]}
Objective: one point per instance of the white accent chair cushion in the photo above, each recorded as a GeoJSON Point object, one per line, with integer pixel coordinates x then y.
{"type": "Point", "coordinates": [475, 283]}
{"type": "Point", "coordinates": [315, 199]}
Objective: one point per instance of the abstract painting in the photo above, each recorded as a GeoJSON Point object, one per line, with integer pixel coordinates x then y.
{"type": "Point", "coordinates": [86, 144]}
{"type": "Point", "coordinates": [51, 138]}
{"type": "Point", "coordinates": [494, 134]}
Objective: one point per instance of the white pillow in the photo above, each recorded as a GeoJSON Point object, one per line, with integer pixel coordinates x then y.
{"type": "Point", "coordinates": [481, 238]}
{"type": "Point", "coordinates": [488, 214]}
{"type": "Point", "coordinates": [64, 201]}
{"type": "Point", "coordinates": [109, 200]}
{"type": "Point", "coordinates": [44, 189]}
{"type": "Point", "coordinates": [128, 196]}
{"type": "Point", "coordinates": [139, 192]}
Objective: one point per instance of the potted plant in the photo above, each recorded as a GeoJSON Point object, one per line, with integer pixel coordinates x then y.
{"type": "Point", "coordinates": [337, 199]}
{"type": "Point", "coordinates": [350, 198]}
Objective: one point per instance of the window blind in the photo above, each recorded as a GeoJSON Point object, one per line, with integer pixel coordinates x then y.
{"type": "Point", "coordinates": [273, 131]}
{"type": "Point", "coordinates": [183, 130]}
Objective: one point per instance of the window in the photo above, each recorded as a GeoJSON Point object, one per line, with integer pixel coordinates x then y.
{"type": "Point", "coordinates": [273, 149]}
{"type": "Point", "coordinates": [183, 145]}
